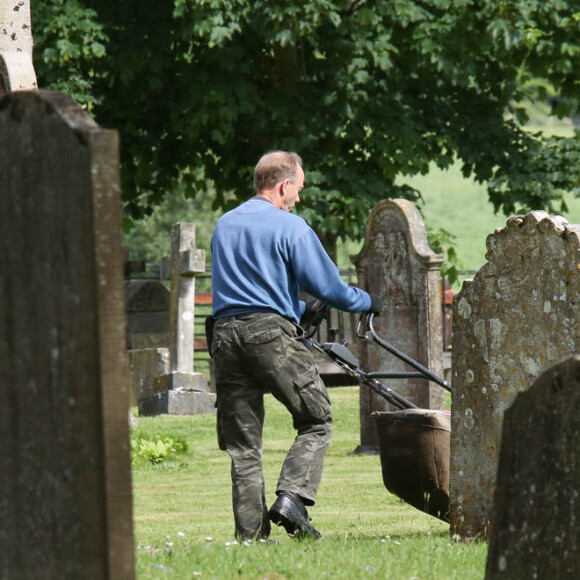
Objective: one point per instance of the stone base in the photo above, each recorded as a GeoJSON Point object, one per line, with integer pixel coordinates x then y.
{"type": "Point", "coordinates": [144, 365]}
{"type": "Point", "coordinates": [177, 381]}
{"type": "Point", "coordinates": [178, 402]}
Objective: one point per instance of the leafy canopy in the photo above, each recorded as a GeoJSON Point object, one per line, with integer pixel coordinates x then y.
{"type": "Point", "coordinates": [367, 92]}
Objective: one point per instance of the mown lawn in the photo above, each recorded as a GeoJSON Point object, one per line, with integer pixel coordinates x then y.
{"type": "Point", "coordinates": [184, 525]}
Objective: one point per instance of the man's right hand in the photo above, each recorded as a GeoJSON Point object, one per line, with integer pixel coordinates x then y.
{"type": "Point", "coordinates": [376, 304]}
{"type": "Point", "coordinates": [314, 313]}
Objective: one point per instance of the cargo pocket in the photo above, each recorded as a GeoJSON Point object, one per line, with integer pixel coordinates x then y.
{"type": "Point", "coordinates": [313, 394]}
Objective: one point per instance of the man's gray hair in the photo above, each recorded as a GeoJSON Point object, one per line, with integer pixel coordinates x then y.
{"type": "Point", "coordinates": [274, 167]}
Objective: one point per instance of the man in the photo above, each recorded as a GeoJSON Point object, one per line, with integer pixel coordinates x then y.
{"type": "Point", "coordinates": [261, 256]}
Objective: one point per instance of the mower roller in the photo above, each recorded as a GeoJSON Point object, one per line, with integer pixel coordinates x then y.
{"type": "Point", "coordinates": [413, 442]}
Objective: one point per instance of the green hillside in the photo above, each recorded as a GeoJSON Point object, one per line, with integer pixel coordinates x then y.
{"type": "Point", "coordinates": [461, 207]}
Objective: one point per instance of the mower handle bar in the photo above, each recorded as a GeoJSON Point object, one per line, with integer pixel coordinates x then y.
{"type": "Point", "coordinates": [423, 372]}
{"type": "Point", "coordinates": [368, 379]}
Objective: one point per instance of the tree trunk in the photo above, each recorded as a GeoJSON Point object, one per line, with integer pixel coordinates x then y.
{"type": "Point", "coordinates": [330, 241]}
{"type": "Point", "coordinates": [16, 68]}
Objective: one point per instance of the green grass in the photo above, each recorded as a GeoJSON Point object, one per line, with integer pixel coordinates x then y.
{"type": "Point", "coordinates": [184, 523]}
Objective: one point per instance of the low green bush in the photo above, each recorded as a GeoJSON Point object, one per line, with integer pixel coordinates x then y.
{"type": "Point", "coordinates": [155, 448]}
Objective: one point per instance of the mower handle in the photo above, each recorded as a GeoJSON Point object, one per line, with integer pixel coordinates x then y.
{"type": "Point", "coordinates": [371, 334]}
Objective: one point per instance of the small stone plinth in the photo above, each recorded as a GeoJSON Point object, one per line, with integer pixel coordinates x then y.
{"type": "Point", "coordinates": [178, 402]}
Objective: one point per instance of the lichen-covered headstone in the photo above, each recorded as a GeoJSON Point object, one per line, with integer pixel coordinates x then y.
{"type": "Point", "coordinates": [65, 479]}
{"type": "Point", "coordinates": [397, 263]}
{"type": "Point", "coordinates": [518, 317]}
{"type": "Point", "coordinates": [535, 529]}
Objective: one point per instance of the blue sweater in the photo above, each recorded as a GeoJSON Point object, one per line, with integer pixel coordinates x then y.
{"type": "Point", "coordinates": [262, 256]}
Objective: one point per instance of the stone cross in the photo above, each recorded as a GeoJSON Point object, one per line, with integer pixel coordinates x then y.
{"type": "Point", "coordinates": [65, 505]}
{"type": "Point", "coordinates": [16, 68]}
{"type": "Point", "coordinates": [518, 317]}
{"type": "Point", "coordinates": [185, 262]}
{"type": "Point", "coordinates": [535, 530]}
{"type": "Point", "coordinates": [182, 390]}
{"type": "Point", "coordinates": [397, 263]}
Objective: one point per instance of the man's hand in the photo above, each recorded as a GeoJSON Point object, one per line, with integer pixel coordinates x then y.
{"type": "Point", "coordinates": [376, 304]}
{"type": "Point", "coordinates": [314, 313]}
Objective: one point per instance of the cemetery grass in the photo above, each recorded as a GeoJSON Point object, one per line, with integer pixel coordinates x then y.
{"type": "Point", "coordinates": [184, 525]}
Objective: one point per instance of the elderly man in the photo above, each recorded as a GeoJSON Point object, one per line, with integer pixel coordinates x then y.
{"type": "Point", "coordinates": [262, 255]}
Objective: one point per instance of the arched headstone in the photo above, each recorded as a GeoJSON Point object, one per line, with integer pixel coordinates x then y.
{"type": "Point", "coordinates": [397, 263]}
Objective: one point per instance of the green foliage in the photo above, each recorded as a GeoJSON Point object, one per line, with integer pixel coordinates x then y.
{"type": "Point", "coordinates": [150, 238]}
{"type": "Point", "coordinates": [538, 174]}
{"type": "Point", "coordinates": [444, 242]}
{"type": "Point", "coordinates": [370, 94]}
{"type": "Point", "coordinates": [155, 452]}
{"type": "Point", "coordinates": [154, 448]}
{"type": "Point", "coordinates": [70, 43]}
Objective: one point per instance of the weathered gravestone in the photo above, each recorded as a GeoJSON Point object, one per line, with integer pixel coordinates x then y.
{"type": "Point", "coordinates": [397, 263]}
{"type": "Point", "coordinates": [181, 391]}
{"type": "Point", "coordinates": [517, 317]}
{"type": "Point", "coordinates": [147, 307]}
{"type": "Point", "coordinates": [16, 68]}
{"type": "Point", "coordinates": [145, 365]}
{"type": "Point", "coordinates": [535, 529]}
{"type": "Point", "coordinates": [65, 505]}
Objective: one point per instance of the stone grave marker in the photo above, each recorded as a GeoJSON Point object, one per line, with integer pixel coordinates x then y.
{"type": "Point", "coordinates": [147, 305]}
{"type": "Point", "coordinates": [181, 390]}
{"type": "Point", "coordinates": [65, 505]}
{"type": "Point", "coordinates": [16, 68]}
{"type": "Point", "coordinates": [535, 529]}
{"type": "Point", "coordinates": [397, 263]}
{"type": "Point", "coordinates": [518, 317]}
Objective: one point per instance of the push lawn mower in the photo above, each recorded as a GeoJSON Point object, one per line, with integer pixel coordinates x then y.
{"type": "Point", "coordinates": [413, 442]}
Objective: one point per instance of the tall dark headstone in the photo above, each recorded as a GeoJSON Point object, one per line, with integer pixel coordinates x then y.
{"type": "Point", "coordinates": [535, 530]}
{"type": "Point", "coordinates": [65, 480]}
{"type": "Point", "coordinates": [397, 263]}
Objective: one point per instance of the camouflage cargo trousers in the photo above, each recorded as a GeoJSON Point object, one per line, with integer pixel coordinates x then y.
{"type": "Point", "coordinates": [255, 354]}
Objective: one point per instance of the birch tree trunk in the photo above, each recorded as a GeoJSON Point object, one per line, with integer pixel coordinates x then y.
{"type": "Point", "coordinates": [16, 67]}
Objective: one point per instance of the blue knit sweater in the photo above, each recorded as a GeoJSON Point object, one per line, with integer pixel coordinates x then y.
{"type": "Point", "coordinates": [262, 256]}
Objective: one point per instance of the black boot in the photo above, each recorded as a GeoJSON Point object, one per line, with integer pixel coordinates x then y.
{"type": "Point", "coordinates": [289, 511]}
